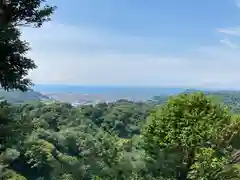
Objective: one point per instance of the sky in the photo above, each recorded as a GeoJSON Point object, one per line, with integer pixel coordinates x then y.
{"type": "Point", "coordinates": [168, 43]}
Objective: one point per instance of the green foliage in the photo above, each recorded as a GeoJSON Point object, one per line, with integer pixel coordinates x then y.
{"type": "Point", "coordinates": [208, 165]}
{"type": "Point", "coordinates": [14, 64]}
{"type": "Point", "coordinates": [181, 134]}
{"type": "Point", "coordinates": [231, 99]}
{"type": "Point", "coordinates": [39, 152]}
{"type": "Point", "coordinates": [122, 117]}
{"type": "Point", "coordinates": [182, 121]}
{"type": "Point", "coordinates": [190, 137]}
{"type": "Point", "coordinates": [13, 125]}
{"type": "Point", "coordinates": [12, 175]}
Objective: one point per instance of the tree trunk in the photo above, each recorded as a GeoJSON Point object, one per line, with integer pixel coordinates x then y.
{"type": "Point", "coordinates": [183, 173]}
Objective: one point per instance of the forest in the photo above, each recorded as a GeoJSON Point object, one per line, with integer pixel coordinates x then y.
{"type": "Point", "coordinates": [189, 136]}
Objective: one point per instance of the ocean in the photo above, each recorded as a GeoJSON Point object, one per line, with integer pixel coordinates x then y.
{"type": "Point", "coordinates": [108, 92]}
{"type": "Point", "coordinates": [107, 89]}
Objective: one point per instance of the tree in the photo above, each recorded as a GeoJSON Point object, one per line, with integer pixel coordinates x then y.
{"type": "Point", "coordinates": [14, 64]}
{"type": "Point", "coordinates": [13, 127]}
{"type": "Point", "coordinates": [189, 138]}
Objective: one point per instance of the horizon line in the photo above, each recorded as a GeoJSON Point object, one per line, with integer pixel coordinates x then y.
{"type": "Point", "coordinates": [140, 86]}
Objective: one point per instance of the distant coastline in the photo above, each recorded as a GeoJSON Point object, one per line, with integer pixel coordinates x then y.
{"type": "Point", "coordinates": [108, 90]}
{"type": "Point", "coordinates": [103, 89]}
{"type": "Point", "coordinates": [82, 94]}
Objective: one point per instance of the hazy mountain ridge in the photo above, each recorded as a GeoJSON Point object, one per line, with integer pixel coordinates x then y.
{"type": "Point", "coordinates": [90, 95]}
{"type": "Point", "coordinates": [21, 97]}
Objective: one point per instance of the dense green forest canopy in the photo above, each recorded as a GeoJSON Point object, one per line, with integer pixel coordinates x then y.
{"type": "Point", "coordinates": [190, 136]}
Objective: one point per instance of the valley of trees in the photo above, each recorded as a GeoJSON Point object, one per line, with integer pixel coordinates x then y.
{"type": "Point", "coordinates": [189, 137]}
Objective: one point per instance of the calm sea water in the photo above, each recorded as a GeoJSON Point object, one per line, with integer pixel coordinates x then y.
{"type": "Point", "coordinates": [106, 89]}
{"type": "Point", "coordinates": [111, 92]}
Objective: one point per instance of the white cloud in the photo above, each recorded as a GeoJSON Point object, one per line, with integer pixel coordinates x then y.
{"type": "Point", "coordinates": [80, 55]}
{"type": "Point", "coordinates": [228, 43]}
{"type": "Point", "coordinates": [230, 31]}
{"type": "Point", "coordinates": [89, 39]}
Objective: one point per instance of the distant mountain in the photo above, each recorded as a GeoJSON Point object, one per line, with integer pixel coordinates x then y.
{"type": "Point", "coordinates": [82, 94]}
{"type": "Point", "coordinates": [21, 97]}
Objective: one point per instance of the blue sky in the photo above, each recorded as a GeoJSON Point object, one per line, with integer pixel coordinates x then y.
{"type": "Point", "coordinates": [152, 43]}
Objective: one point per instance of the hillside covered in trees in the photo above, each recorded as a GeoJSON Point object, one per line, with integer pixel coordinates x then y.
{"type": "Point", "coordinates": [22, 97]}
{"type": "Point", "coordinates": [191, 136]}
{"type": "Point", "coordinates": [188, 137]}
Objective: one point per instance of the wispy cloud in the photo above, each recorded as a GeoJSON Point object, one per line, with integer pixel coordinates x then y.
{"type": "Point", "coordinates": [89, 39]}
{"type": "Point", "coordinates": [234, 32]}
{"type": "Point", "coordinates": [230, 31]}
{"type": "Point", "coordinates": [228, 43]}
{"type": "Point", "coordinates": [80, 55]}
